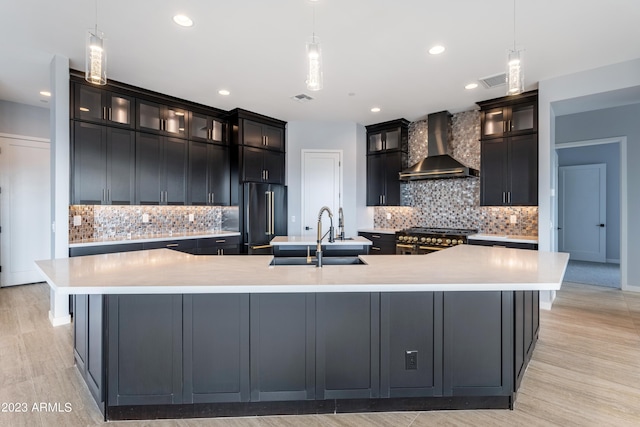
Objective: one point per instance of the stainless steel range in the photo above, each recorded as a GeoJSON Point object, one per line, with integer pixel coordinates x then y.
{"type": "Point", "coordinates": [421, 240]}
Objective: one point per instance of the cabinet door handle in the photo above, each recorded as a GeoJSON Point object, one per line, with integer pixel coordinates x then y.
{"type": "Point", "coordinates": [375, 236]}
{"type": "Point", "coordinates": [504, 197]}
{"type": "Point", "coordinates": [375, 248]}
{"type": "Point", "coordinates": [173, 245]}
{"type": "Point", "coordinates": [103, 196]}
{"type": "Point", "coordinates": [108, 194]}
{"type": "Point", "coordinates": [110, 114]}
{"type": "Point", "coordinates": [213, 197]}
{"type": "Point", "coordinates": [221, 241]}
{"type": "Point", "coordinates": [104, 113]}
{"type": "Point", "coordinates": [267, 174]}
{"type": "Point", "coordinates": [266, 139]}
{"type": "Point", "coordinates": [509, 197]}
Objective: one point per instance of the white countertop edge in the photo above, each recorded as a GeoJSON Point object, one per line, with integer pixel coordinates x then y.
{"type": "Point", "coordinates": [177, 236]}
{"type": "Point", "coordinates": [379, 230]}
{"type": "Point", "coordinates": [310, 241]}
{"type": "Point", "coordinates": [503, 238]}
{"type": "Point", "coordinates": [257, 289]}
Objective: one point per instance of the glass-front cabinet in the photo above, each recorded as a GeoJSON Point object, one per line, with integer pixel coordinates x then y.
{"type": "Point", "coordinates": [206, 128]}
{"type": "Point", "coordinates": [162, 119]}
{"type": "Point", "coordinates": [389, 139]}
{"type": "Point", "coordinates": [97, 105]}
{"type": "Point", "coordinates": [519, 117]}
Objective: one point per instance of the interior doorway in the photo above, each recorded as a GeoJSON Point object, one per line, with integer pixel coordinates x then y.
{"type": "Point", "coordinates": [24, 208]}
{"type": "Point", "coordinates": [321, 186]}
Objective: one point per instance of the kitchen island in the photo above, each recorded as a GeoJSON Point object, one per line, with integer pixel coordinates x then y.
{"type": "Point", "coordinates": [161, 334]}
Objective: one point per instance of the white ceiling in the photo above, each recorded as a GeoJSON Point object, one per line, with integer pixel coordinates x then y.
{"type": "Point", "coordinates": [374, 49]}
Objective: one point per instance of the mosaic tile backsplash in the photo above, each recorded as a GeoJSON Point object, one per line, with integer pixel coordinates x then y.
{"type": "Point", "coordinates": [453, 203]}
{"type": "Point", "coordinates": [125, 222]}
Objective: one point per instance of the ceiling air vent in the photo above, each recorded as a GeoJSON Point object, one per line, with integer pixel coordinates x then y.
{"type": "Point", "coordinates": [302, 98]}
{"type": "Point", "coordinates": [494, 81]}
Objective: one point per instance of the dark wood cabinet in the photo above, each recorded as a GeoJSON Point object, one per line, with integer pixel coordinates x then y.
{"type": "Point", "coordinates": [503, 244]}
{"type": "Point", "coordinates": [209, 176]}
{"type": "Point", "coordinates": [207, 128]}
{"type": "Point", "coordinates": [216, 348]}
{"type": "Point", "coordinates": [88, 343]}
{"type": "Point", "coordinates": [102, 106]}
{"type": "Point", "coordinates": [388, 136]}
{"type": "Point", "coordinates": [145, 368]}
{"type": "Point", "coordinates": [382, 243]}
{"type": "Point", "coordinates": [348, 345]}
{"type": "Point", "coordinates": [161, 119]}
{"type": "Point", "coordinates": [387, 148]}
{"type": "Point", "coordinates": [383, 185]}
{"type": "Point", "coordinates": [103, 167]}
{"type": "Point", "coordinates": [227, 245]}
{"type": "Point", "coordinates": [263, 166]}
{"type": "Point", "coordinates": [262, 135]}
{"type": "Point", "coordinates": [161, 170]}
{"type": "Point", "coordinates": [509, 151]}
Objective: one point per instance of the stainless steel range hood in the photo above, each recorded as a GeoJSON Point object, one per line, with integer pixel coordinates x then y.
{"type": "Point", "coordinates": [438, 164]}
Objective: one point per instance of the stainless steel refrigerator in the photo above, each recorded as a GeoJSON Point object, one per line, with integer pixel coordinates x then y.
{"type": "Point", "coordinates": [264, 216]}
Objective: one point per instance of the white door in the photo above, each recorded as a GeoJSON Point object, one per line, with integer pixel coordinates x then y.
{"type": "Point", "coordinates": [582, 214]}
{"type": "Point", "coordinates": [24, 209]}
{"type": "Point", "coordinates": [321, 186]}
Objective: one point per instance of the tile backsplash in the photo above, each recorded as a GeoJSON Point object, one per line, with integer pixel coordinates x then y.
{"type": "Point", "coordinates": [453, 203]}
{"type": "Point", "coordinates": [123, 222]}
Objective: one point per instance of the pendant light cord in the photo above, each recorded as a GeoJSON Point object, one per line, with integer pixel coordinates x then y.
{"type": "Point", "coordinates": [514, 25]}
{"type": "Point", "coordinates": [96, 17]}
{"type": "Point", "coordinates": [313, 22]}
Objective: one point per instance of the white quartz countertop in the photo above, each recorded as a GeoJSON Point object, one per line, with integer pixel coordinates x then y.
{"type": "Point", "coordinates": [311, 241]}
{"type": "Point", "coordinates": [163, 271]}
{"type": "Point", "coordinates": [504, 238]}
{"type": "Point", "coordinates": [379, 230]}
{"type": "Point", "coordinates": [152, 238]}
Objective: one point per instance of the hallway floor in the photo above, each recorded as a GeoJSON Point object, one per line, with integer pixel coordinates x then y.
{"type": "Point", "coordinates": [585, 371]}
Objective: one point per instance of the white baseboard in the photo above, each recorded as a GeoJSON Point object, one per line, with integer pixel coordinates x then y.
{"type": "Point", "coordinates": [545, 305]}
{"type": "Point", "coordinates": [59, 321]}
{"type": "Point", "coordinates": [613, 261]}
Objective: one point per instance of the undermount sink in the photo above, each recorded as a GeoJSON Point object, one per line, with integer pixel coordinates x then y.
{"type": "Point", "coordinates": [334, 260]}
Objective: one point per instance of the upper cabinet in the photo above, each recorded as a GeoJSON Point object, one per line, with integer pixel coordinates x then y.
{"type": "Point", "coordinates": [206, 128]}
{"type": "Point", "coordinates": [507, 116]}
{"type": "Point", "coordinates": [262, 135]}
{"type": "Point", "coordinates": [509, 151]}
{"type": "Point", "coordinates": [98, 105]}
{"type": "Point", "coordinates": [387, 147]}
{"type": "Point", "coordinates": [388, 136]}
{"type": "Point", "coordinates": [162, 119]}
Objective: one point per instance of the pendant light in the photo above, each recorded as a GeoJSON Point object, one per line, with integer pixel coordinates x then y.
{"type": "Point", "coordinates": [314, 58]}
{"type": "Point", "coordinates": [515, 70]}
{"type": "Point", "coordinates": [96, 56]}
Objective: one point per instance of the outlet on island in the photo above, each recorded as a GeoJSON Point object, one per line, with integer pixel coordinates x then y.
{"type": "Point", "coordinates": [411, 360]}
{"type": "Point", "coordinates": [513, 219]}
{"type": "Point", "coordinates": [191, 218]}
{"type": "Point", "coordinates": [145, 218]}
{"type": "Point", "coordinates": [77, 220]}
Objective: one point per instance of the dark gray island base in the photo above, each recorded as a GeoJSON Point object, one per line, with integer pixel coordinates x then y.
{"type": "Point", "coordinates": [216, 355]}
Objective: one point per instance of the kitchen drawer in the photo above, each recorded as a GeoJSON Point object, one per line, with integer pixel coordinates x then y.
{"type": "Point", "coordinates": [229, 245]}
{"type": "Point", "coordinates": [188, 245]}
{"type": "Point", "coordinates": [104, 249]}
{"type": "Point", "coordinates": [382, 243]}
{"type": "Point", "coordinates": [503, 244]}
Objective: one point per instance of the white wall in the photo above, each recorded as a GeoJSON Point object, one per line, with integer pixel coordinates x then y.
{"type": "Point", "coordinates": [346, 136]}
{"type": "Point", "coordinates": [620, 76]}
{"type": "Point", "coordinates": [24, 120]}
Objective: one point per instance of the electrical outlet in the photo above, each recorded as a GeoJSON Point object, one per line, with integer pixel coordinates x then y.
{"type": "Point", "coordinates": [388, 215]}
{"type": "Point", "coordinates": [145, 218]}
{"type": "Point", "coordinates": [77, 220]}
{"type": "Point", "coordinates": [191, 218]}
{"type": "Point", "coordinates": [411, 360]}
{"type": "Point", "coordinates": [293, 218]}
{"type": "Point", "coordinates": [513, 219]}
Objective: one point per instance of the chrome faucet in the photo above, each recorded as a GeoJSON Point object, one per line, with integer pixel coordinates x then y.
{"type": "Point", "coordinates": [321, 236]}
{"type": "Point", "coordinates": [340, 224]}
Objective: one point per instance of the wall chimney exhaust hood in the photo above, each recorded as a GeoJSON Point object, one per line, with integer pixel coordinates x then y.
{"type": "Point", "coordinates": [438, 164]}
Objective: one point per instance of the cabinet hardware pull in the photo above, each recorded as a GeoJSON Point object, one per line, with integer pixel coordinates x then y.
{"type": "Point", "coordinates": [103, 198]}
{"type": "Point", "coordinates": [108, 194]}
{"type": "Point", "coordinates": [110, 115]}
{"type": "Point", "coordinates": [267, 174]}
{"type": "Point", "coordinates": [375, 236]}
{"type": "Point", "coordinates": [404, 246]}
{"type": "Point", "coordinates": [104, 113]}
{"type": "Point", "coordinates": [375, 248]}
{"type": "Point", "coordinates": [221, 241]}
{"type": "Point", "coordinates": [266, 140]}
{"type": "Point", "coordinates": [504, 197]}
{"type": "Point", "coordinates": [173, 245]}
{"type": "Point", "coordinates": [509, 197]}
{"type": "Point", "coordinates": [213, 197]}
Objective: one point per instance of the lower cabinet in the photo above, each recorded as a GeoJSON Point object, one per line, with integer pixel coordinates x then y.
{"type": "Point", "coordinates": [141, 350]}
{"type": "Point", "coordinates": [219, 246]}
{"type": "Point", "coordinates": [382, 243]}
{"type": "Point", "coordinates": [216, 348]}
{"type": "Point", "coordinates": [145, 349]}
{"type": "Point", "coordinates": [503, 244]}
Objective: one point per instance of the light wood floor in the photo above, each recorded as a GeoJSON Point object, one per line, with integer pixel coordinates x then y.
{"type": "Point", "coordinates": [585, 371]}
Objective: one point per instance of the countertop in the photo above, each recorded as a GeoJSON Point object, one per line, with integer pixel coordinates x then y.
{"type": "Point", "coordinates": [504, 238]}
{"type": "Point", "coordinates": [163, 271]}
{"type": "Point", "coordinates": [152, 238]}
{"type": "Point", "coordinates": [379, 230]}
{"type": "Point", "coordinates": [311, 241]}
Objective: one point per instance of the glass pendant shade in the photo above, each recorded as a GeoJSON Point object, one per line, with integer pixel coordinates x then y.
{"type": "Point", "coordinates": [96, 58]}
{"type": "Point", "coordinates": [314, 56]}
{"type": "Point", "coordinates": [515, 73]}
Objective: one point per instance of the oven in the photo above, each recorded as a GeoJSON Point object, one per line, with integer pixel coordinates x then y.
{"type": "Point", "coordinates": [423, 240]}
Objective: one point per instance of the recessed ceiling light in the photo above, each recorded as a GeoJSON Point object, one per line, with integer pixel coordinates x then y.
{"type": "Point", "coordinates": [183, 20]}
{"type": "Point", "coordinates": [471, 86]}
{"type": "Point", "coordinates": [436, 50]}
{"type": "Point", "coordinates": [224, 92]}
{"type": "Point", "coordinates": [375, 110]}
{"type": "Point", "coordinates": [45, 93]}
